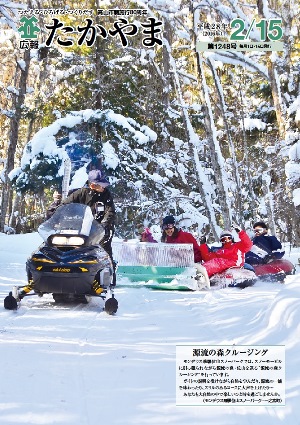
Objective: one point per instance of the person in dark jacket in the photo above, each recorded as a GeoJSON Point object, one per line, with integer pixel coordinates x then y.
{"type": "Point", "coordinates": [171, 234]}
{"type": "Point", "coordinates": [97, 196]}
{"type": "Point", "coordinates": [265, 247]}
{"type": "Point", "coordinates": [52, 207]}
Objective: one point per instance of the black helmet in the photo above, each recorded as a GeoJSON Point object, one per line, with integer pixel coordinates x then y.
{"type": "Point", "coordinates": [169, 219]}
{"type": "Point", "coordinates": [260, 224]}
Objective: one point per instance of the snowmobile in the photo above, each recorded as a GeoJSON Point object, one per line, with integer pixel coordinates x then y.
{"type": "Point", "coordinates": [70, 264]}
{"type": "Point", "coordinates": [170, 267]}
{"type": "Point", "coordinates": [274, 270]}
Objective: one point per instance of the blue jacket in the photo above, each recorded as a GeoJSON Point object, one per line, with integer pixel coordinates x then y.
{"type": "Point", "coordinates": [265, 248]}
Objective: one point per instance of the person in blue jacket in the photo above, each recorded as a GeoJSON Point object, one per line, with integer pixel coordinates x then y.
{"type": "Point", "coordinates": [265, 247]}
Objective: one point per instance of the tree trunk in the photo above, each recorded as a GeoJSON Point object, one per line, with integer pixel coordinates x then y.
{"type": "Point", "coordinates": [238, 200]}
{"type": "Point", "coordinates": [15, 211]}
{"type": "Point", "coordinates": [204, 185]}
{"type": "Point", "coordinates": [166, 65]}
{"type": "Point", "coordinates": [18, 101]}
{"type": "Point", "coordinates": [214, 147]}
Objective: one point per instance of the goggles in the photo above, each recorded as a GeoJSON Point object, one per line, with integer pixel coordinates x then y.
{"type": "Point", "coordinates": [226, 239]}
{"type": "Point", "coordinates": [168, 226]}
{"type": "Point", "coordinates": [259, 230]}
{"type": "Point", "coordinates": [97, 185]}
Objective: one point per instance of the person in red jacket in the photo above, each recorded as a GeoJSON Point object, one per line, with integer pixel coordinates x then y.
{"type": "Point", "coordinates": [171, 234]}
{"type": "Point", "coordinates": [231, 254]}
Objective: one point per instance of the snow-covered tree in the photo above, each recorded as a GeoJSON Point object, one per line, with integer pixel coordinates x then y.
{"type": "Point", "coordinates": [227, 123]}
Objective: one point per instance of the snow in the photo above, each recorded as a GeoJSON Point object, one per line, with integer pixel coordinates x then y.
{"type": "Point", "coordinates": [79, 178]}
{"type": "Point", "coordinates": [266, 12]}
{"type": "Point", "coordinates": [110, 157]}
{"type": "Point", "coordinates": [292, 172]}
{"type": "Point", "coordinates": [9, 13]}
{"type": "Point", "coordinates": [254, 124]}
{"type": "Point", "coordinates": [296, 197]}
{"type": "Point", "coordinates": [44, 142]}
{"type": "Point", "coordinates": [294, 153]}
{"type": "Point", "coordinates": [12, 90]}
{"type": "Point", "coordinates": [77, 365]}
{"type": "Point", "coordinates": [22, 64]}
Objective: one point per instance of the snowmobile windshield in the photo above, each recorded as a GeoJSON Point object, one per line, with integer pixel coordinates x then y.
{"type": "Point", "coordinates": [73, 220]}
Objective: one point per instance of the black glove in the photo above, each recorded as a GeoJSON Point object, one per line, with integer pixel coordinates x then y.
{"type": "Point", "coordinates": [202, 239]}
{"type": "Point", "coordinates": [236, 227]}
{"type": "Point", "coordinates": [268, 258]}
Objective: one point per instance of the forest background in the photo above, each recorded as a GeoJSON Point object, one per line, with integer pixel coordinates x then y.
{"type": "Point", "coordinates": [208, 136]}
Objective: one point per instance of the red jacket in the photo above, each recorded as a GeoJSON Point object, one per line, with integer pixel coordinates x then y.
{"type": "Point", "coordinates": [233, 251]}
{"type": "Point", "coordinates": [185, 237]}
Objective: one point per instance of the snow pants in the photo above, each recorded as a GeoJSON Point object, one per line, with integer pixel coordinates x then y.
{"type": "Point", "coordinates": [252, 258]}
{"type": "Point", "coordinates": [217, 265]}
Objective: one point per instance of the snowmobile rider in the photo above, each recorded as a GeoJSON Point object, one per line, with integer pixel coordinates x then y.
{"type": "Point", "coordinates": [231, 254]}
{"type": "Point", "coordinates": [171, 234]}
{"type": "Point", "coordinates": [265, 247]}
{"type": "Point", "coordinates": [97, 196]}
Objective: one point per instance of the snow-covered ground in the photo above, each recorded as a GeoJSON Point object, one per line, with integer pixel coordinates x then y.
{"type": "Point", "coordinates": [76, 365]}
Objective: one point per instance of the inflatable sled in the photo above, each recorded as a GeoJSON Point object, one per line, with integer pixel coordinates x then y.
{"type": "Point", "coordinates": [155, 265]}
{"type": "Point", "coordinates": [70, 264]}
{"type": "Point", "coordinates": [235, 277]}
{"type": "Point", "coordinates": [275, 271]}
{"type": "Point", "coordinates": [169, 267]}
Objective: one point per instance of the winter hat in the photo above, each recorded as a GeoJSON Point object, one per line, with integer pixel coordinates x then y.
{"type": "Point", "coordinates": [96, 176]}
{"type": "Point", "coordinates": [226, 233]}
{"type": "Point", "coordinates": [260, 224]}
{"type": "Point", "coordinates": [169, 219]}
